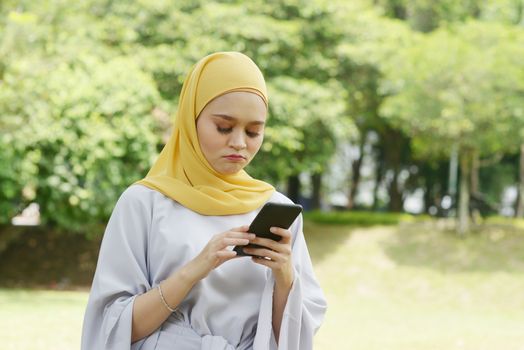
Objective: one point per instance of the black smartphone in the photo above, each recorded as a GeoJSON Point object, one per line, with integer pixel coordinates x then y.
{"type": "Point", "coordinates": [271, 215]}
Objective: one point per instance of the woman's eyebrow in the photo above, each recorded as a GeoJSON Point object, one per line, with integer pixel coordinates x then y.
{"type": "Point", "coordinates": [233, 119]}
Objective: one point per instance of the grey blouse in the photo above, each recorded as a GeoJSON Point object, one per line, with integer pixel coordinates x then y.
{"type": "Point", "coordinates": [148, 237]}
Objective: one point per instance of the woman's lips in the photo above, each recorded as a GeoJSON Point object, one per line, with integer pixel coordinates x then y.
{"type": "Point", "coordinates": [235, 157]}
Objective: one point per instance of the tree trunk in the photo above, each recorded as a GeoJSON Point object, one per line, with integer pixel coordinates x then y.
{"type": "Point", "coordinates": [355, 175]}
{"type": "Point", "coordinates": [395, 196]}
{"type": "Point", "coordinates": [453, 174]}
{"type": "Point", "coordinates": [379, 174]}
{"type": "Point", "coordinates": [463, 215]}
{"type": "Point", "coordinates": [474, 186]}
{"type": "Point", "coordinates": [293, 188]}
{"type": "Point", "coordinates": [520, 206]}
{"type": "Point", "coordinates": [474, 172]}
{"type": "Point", "coordinates": [316, 182]}
{"type": "Point", "coordinates": [429, 195]}
{"type": "Point", "coordinates": [396, 153]}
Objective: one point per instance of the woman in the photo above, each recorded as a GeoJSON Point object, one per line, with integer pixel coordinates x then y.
{"type": "Point", "coordinates": [167, 277]}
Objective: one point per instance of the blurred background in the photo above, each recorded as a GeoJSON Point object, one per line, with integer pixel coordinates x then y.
{"type": "Point", "coordinates": [397, 124]}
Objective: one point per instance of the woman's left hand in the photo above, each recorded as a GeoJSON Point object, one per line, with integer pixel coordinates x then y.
{"type": "Point", "coordinates": [275, 255]}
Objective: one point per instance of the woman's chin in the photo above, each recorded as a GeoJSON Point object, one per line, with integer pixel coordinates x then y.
{"type": "Point", "coordinates": [230, 169]}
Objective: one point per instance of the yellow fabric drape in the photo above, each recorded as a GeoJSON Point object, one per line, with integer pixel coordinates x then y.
{"type": "Point", "coordinates": [181, 171]}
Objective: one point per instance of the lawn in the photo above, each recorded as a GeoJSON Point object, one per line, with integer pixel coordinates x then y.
{"type": "Point", "coordinates": [412, 287]}
{"type": "Point", "coordinates": [41, 320]}
{"type": "Point", "coordinates": [389, 287]}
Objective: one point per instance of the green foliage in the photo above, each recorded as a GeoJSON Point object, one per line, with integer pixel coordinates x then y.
{"type": "Point", "coordinates": [79, 127]}
{"type": "Point", "coordinates": [306, 121]}
{"type": "Point", "coordinates": [425, 16]}
{"type": "Point", "coordinates": [84, 146]}
{"type": "Point", "coordinates": [87, 88]}
{"type": "Point", "coordinates": [495, 178]}
{"type": "Point", "coordinates": [450, 88]}
{"type": "Point", "coordinates": [359, 218]}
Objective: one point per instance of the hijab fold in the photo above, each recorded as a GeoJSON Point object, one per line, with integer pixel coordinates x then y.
{"type": "Point", "coordinates": [181, 171]}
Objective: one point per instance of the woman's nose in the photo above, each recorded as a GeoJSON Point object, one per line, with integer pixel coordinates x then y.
{"type": "Point", "coordinates": [237, 140]}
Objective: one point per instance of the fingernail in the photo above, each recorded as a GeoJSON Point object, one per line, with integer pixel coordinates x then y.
{"type": "Point", "coordinates": [252, 235]}
{"type": "Point", "coordinates": [273, 229]}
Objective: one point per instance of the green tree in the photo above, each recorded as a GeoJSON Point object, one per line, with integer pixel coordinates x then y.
{"type": "Point", "coordinates": [447, 90]}
{"type": "Point", "coordinates": [78, 121]}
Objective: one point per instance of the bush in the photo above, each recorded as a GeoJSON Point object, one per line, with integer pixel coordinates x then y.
{"type": "Point", "coordinates": [79, 132]}
{"type": "Point", "coordinates": [358, 218]}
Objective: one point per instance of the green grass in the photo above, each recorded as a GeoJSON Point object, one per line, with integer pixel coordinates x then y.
{"type": "Point", "coordinates": [412, 287]}
{"type": "Point", "coordinates": [514, 222]}
{"type": "Point", "coordinates": [388, 287]}
{"type": "Point", "coordinates": [41, 320]}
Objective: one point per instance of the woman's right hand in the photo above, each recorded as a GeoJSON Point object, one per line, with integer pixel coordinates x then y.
{"type": "Point", "coordinates": [215, 252]}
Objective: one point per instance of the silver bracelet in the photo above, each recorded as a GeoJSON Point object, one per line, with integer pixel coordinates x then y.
{"type": "Point", "coordinates": [163, 299]}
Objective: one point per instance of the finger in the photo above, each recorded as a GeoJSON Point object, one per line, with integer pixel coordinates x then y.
{"type": "Point", "coordinates": [262, 261]}
{"type": "Point", "coordinates": [244, 235]}
{"type": "Point", "coordinates": [267, 243]}
{"type": "Point", "coordinates": [226, 242]}
{"type": "Point", "coordinates": [226, 254]}
{"type": "Point", "coordinates": [242, 228]}
{"type": "Point", "coordinates": [285, 234]}
{"type": "Point", "coordinates": [280, 247]}
{"type": "Point", "coordinates": [266, 253]}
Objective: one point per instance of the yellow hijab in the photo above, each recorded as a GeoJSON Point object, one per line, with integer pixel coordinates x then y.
{"type": "Point", "coordinates": [181, 171]}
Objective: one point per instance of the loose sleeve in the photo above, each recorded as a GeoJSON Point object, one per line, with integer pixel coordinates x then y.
{"type": "Point", "coordinates": [305, 307]}
{"type": "Point", "coordinates": [121, 274]}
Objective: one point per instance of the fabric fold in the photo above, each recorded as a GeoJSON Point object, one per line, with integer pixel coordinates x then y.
{"type": "Point", "coordinates": [120, 276]}
{"type": "Point", "coordinates": [305, 307]}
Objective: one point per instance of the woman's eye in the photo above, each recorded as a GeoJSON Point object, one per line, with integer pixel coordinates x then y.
{"type": "Point", "coordinates": [227, 130]}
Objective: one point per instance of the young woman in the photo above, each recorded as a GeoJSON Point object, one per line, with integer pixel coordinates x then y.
{"type": "Point", "coordinates": [167, 277]}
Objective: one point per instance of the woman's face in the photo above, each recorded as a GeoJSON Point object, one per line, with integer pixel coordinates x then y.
{"type": "Point", "coordinates": [231, 129]}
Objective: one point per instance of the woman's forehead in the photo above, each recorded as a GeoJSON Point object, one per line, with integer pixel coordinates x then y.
{"type": "Point", "coordinates": [235, 97]}
{"type": "Point", "coordinates": [233, 119]}
{"type": "Point", "coordinates": [238, 103]}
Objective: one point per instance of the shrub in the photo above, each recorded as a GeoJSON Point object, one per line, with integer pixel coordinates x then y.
{"type": "Point", "coordinates": [358, 218]}
{"type": "Point", "coordinates": [79, 132]}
